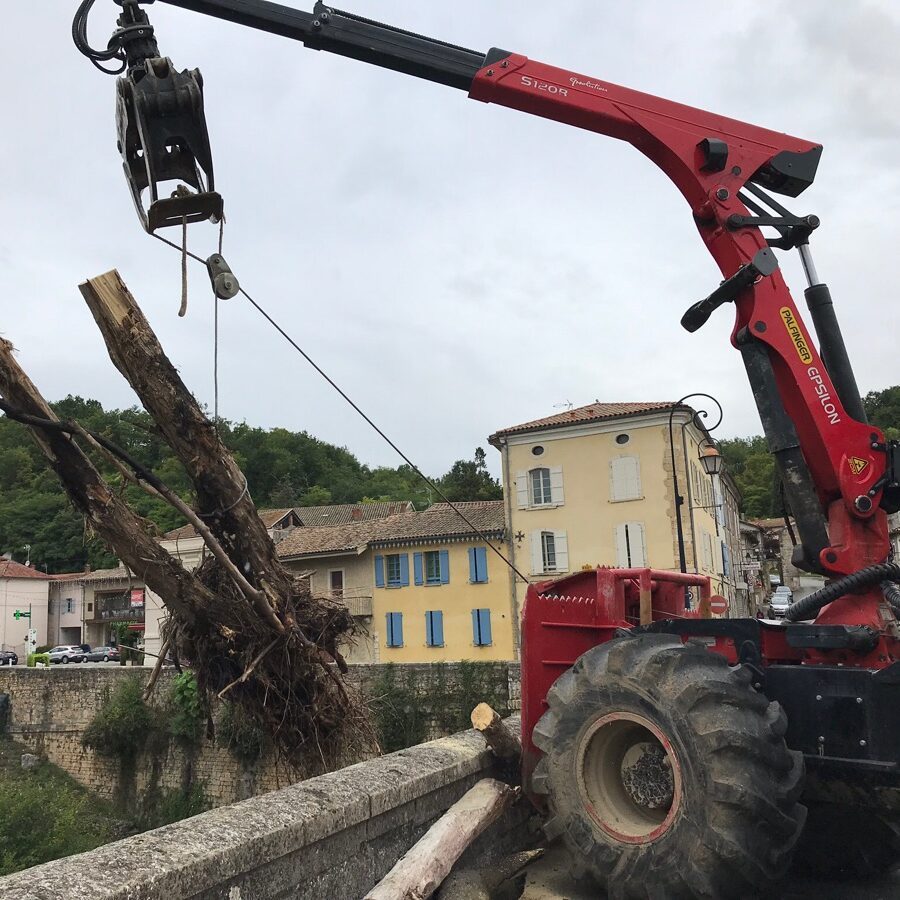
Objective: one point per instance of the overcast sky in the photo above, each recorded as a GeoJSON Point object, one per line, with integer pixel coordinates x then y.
{"type": "Point", "coordinates": [456, 267]}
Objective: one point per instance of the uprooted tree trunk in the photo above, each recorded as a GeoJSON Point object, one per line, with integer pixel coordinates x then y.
{"type": "Point", "coordinates": [252, 631]}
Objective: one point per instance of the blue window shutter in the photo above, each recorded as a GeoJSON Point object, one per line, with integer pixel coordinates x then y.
{"type": "Point", "coordinates": [404, 569]}
{"type": "Point", "coordinates": [437, 628]}
{"type": "Point", "coordinates": [476, 636]}
{"type": "Point", "coordinates": [379, 571]}
{"type": "Point", "coordinates": [398, 627]}
{"type": "Point", "coordinates": [417, 568]}
{"type": "Point", "coordinates": [445, 567]}
{"type": "Point", "coordinates": [481, 563]}
{"type": "Point", "coordinates": [473, 565]}
{"type": "Point", "coordinates": [429, 635]}
{"type": "Point", "coordinates": [389, 625]}
{"type": "Point", "coordinates": [484, 616]}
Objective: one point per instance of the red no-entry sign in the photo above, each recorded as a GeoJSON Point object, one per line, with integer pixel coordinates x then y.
{"type": "Point", "coordinates": [718, 606]}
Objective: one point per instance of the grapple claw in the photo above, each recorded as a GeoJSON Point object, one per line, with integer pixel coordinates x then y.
{"type": "Point", "coordinates": [162, 137]}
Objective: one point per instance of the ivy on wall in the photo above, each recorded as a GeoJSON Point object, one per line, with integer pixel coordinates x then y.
{"type": "Point", "coordinates": [411, 703]}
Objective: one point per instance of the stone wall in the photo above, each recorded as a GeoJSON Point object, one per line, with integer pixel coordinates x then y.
{"type": "Point", "coordinates": [49, 711]}
{"type": "Point", "coordinates": [332, 836]}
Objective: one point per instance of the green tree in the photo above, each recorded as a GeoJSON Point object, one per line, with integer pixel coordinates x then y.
{"type": "Point", "coordinates": [753, 469]}
{"type": "Point", "coordinates": [883, 410]}
{"type": "Point", "coordinates": [470, 480]}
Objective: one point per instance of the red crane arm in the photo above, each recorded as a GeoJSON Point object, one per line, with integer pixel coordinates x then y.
{"type": "Point", "coordinates": [837, 449]}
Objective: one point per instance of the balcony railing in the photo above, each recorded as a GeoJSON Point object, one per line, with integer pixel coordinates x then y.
{"type": "Point", "coordinates": [357, 600]}
{"type": "Point", "coordinates": [129, 614]}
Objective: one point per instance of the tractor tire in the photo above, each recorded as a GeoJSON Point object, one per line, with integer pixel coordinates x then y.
{"type": "Point", "coordinates": [666, 774]}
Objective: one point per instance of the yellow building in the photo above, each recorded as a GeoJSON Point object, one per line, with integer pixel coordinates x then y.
{"type": "Point", "coordinates": [593, 486]}
{"type": "Point", "coordinates": [434, 590]}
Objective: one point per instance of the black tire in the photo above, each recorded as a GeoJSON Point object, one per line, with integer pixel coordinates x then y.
{"type": "Point", "coordinates": [65, 659]}
{"type": "Point", "coordinates": [846, 842]}
{"type": "Point", "coordinates": [105, 659]}
{"type": "Point", "coordinates": [713, 760]}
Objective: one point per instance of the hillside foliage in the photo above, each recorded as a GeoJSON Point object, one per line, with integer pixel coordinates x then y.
{"type": "Point", "coordinates": [283, 468]}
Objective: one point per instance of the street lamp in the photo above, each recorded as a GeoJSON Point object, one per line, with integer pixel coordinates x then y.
{"type": "Point", "coordinates": [710, 459]}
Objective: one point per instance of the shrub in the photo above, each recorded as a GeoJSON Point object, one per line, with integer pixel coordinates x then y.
{"type": "Point", "coordinates": [173, 806]}
{"type": "Point", "coordinates": [187, 716]}
{"type": "Point", "coordinates": [43, 818]}
{"type": "Point", "coordinates": [124, 724]}
{"type": "Point", "coordinates": [35, 658]}
{"type": "Point", "coordinates": [397, 708]}
{"type": "Point", "coordinates": [242, 737]}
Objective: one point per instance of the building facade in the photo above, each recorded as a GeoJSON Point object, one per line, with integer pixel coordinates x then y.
{"type": "Point", "coordinates": [91, 607]}
{"type": "Point", "coordinates": [434, 588]}
{"type": "Point", "coordinates": [594, 486]}
{"type": "Point", "coordinates": [22, 590]}
{"type": "Point", "coordinates": [777, 549]}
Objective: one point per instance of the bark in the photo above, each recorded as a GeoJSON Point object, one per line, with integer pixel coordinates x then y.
{"type": "Point", "coordinates": [421, 870]}
{"type": "Point", "coordinates": [504, 743]}
{"type": "Point", "coordinates": [222, 496]}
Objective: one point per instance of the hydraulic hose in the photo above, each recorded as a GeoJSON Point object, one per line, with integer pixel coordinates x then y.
{"type": "Point", "coordinates": [809, 606]}
{"type": "Point", "coordinates": [892, 595]}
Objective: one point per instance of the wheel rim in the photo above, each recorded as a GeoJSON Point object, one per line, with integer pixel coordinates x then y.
{"type": "Point", "coordinates": [629, 777]}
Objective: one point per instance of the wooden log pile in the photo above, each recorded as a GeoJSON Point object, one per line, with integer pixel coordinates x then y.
{"type": "Point", "coordinates": [251, 631]}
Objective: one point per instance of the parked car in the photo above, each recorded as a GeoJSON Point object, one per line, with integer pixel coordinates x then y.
{"type": "Point", "coordinates": [8, 658]}
{"type": "Point", "coordinates": [66, 653]}
{"type": "Point", "coordinates": [781, 599]}
{"type": "Point", "coordinates": [102, 654]}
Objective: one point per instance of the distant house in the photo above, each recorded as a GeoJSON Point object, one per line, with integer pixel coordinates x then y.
{"type": "Point", "coordinates": [86, 607]}
{"type": "Point", "coordinates": [594, 486]}
{"type": "Point", "coordinates": [185, 544]}
{"type": "Point", "coordinates": [426, 584]}
{"type": "Point", "coordinates": [24, 590]}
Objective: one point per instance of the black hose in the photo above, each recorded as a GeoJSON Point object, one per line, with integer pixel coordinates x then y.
{"type": "Point", "coordinates": [892, 595]}
{"type": "Point", "coordinates": [809, 606]}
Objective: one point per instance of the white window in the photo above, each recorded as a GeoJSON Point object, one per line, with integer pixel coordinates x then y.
{"type": "Point", "coordinates": [336, 582]}
{"type": "Point", "coordinates": [539, 480]}
{"type": "Point", "coordinates": [549, 552]}
{"type": "Point", "coordinates": [542, 486]}
{"type": "Point", "coordinates": [624, 478]}
{"type": "Point", "coordinates": [631, 550]}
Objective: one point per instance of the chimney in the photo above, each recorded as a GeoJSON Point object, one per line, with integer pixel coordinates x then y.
{"type": "Point", "coordinates": [87, 568]}
{"type": "Point", "coordinates": [356, 514]}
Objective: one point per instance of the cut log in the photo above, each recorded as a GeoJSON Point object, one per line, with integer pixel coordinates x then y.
{"type": "Point", "coordinates": [503, 741]}
{"type": "Point", "coordinates": [426, 864]}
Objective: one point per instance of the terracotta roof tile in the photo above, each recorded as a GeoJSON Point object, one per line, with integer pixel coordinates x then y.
{"type": "Point", "coordinates": [312, 516]}
{"type": "Point", "coordinates": [438, 521]}
{"type": "Point", "coordinates": [270, 517]}
{"type": "Point", "coordinates": [11, 569]}
{"type": "Point", "coordinates": [96, 575]}
{"type": "Point", "coordinates": [348, 513]}
{"type": "Point", "coordinates": [593, 412]}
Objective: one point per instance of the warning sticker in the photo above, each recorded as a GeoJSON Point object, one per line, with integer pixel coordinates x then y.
{"type": "Point", "coordinates": [857, 464]}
